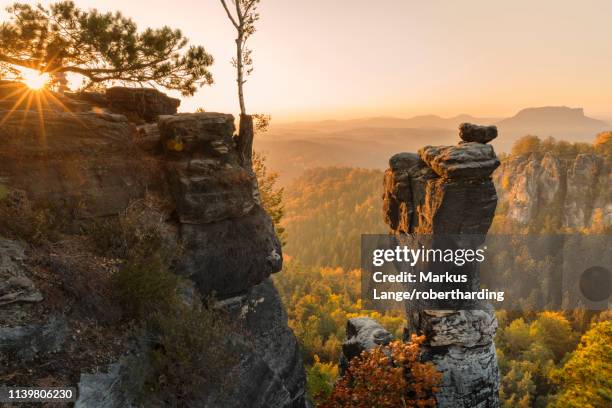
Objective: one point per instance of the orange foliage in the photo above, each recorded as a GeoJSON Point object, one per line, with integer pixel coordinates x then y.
{"type": "Point", "coordinates": [387, 377]}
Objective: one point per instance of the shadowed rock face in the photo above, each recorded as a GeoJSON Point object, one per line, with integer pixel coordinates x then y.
{"type": "Point", "coordinates": [228, 257]}
{"type": "Point", "coordinates": [229, 240]}
{"type": "Point", "coordinates": [26, 342]}
{"type": "Point", "coordinates": [448, 190]}
{"type": "Point", "coordinates": [98, 163]}
{"type": "Point", "coordinates": [15, 286]}
{"type": "Point", "coordinates": [273, 375]}
{"type": "Point", "coordinates": [140, 104]}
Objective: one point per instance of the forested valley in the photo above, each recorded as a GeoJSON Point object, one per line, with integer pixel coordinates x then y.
{"type": "Point", "coordinates": [546, 358]}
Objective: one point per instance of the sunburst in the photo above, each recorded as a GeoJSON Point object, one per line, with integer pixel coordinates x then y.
{"type": "Point", "coordinates": [35, 80]}
{"type": "Point", "coordinates": [33, 86]}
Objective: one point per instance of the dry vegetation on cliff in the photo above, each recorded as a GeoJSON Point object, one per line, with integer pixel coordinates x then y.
{"type": "Point", "coordinates": [109, 283]}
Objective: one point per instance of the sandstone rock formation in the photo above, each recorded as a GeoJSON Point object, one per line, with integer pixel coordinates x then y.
{"type": "Point", "coordinates": [222, 224]}
{"type": "Point", "coordinates": [144, 104]}
{"type": "Point", "coordinates": [139, 105]}
{"type": "Point", "coordinates": [467, 160]}
{"type": "Point", "coordinates": [449, 190]}
{"type": "Point", "coordinates": [28, 341]}
{"type": "Point", "coordinates": [362, 334]}
{"type": "Point", "coordinates": [573, 191]}
{"type": "Point", "coordinates": [82, 160]}
{"type": "Point", "coordinates": [273, 375]}
{"type": "Point", "coordinates": [25, 341]}
{"type": "Point", "coordinates": [469, 132]}
{"type": "Point", "coordinates": [15, 286]}
{"type": "Point", "coordinates": [95, 164]}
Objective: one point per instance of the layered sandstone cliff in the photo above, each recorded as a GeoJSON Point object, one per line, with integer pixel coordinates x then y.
{"type": "Point", "coordinates": [573, 192]}
{"type": "Point", "coordinates": [94, 164]}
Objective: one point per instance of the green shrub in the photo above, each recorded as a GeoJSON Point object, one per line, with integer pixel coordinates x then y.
{"type": "Point", "coordinates": [144, 284]}
{"type": "Point", "coordinates": [3, 191]}
{"type": "Point", "coordinates": [320, 379]}
{"type": "Point", "coordinates": [105, 235]}
{"type": "Point", "coordinates": [138, 232]}
{"type": "Point", "coordinates": [196, 350]}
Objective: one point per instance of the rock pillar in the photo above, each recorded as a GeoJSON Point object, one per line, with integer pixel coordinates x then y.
{"type": "Point", "coordinates": [448, 190]}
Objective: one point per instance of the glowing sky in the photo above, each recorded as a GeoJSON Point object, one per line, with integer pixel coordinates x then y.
{"type": "Point", "coordinates": [317, 59]}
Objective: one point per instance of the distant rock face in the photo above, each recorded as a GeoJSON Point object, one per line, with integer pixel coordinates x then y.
{"type": "Point", "coordinates": [449, 190]}
{"type": "Point", "coordinates": [573, 191]}
{"type": "Point", "coordinates": [140, 104]}
{"type": "Point", "coordinates": [561, 122]}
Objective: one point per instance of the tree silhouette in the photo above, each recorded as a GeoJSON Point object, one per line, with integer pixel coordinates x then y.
{"type": "Point", "coordinates": [243, 20]}
{"type": "Point", "coordinates": [100, 47]}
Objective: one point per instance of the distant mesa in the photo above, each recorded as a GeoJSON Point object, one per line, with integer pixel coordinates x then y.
{"type": "Point", "coordinates": [563, 115]}
{"type": "Point", "coordinates": [561, 122]}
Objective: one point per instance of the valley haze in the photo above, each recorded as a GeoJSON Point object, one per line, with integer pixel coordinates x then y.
{"type": "Point", "coordinates": [369, 142]}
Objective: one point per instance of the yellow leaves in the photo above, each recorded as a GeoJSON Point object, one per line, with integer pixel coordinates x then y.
{"type": "Point", "coordinates": [585, 376]}
{"type": "Point", "coordinates": [175, 145]}
{"type": "Point", "coordinates": [505, 184]}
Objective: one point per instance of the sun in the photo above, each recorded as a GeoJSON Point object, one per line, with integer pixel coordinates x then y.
{"type": "Point", "coordinates": [35, 80]}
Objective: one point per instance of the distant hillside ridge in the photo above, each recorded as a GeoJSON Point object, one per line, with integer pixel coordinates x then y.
{"type": "Point", "coordinates": [292, 148]}
{"type": "Point", "coordinates": [549, 186]}
{"type": "Point", "coordinates": [416, 122]}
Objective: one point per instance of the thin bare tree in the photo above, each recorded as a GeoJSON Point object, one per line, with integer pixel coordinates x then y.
{"type": "Point", "coordinates": [243, 19]}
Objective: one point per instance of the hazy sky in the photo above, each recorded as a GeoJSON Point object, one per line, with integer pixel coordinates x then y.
{"type": "Point", "coordinates": [317, 59]}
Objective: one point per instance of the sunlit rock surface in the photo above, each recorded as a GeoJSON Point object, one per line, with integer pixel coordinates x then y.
{"type": "Point", "coordinates": [574, 191]}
